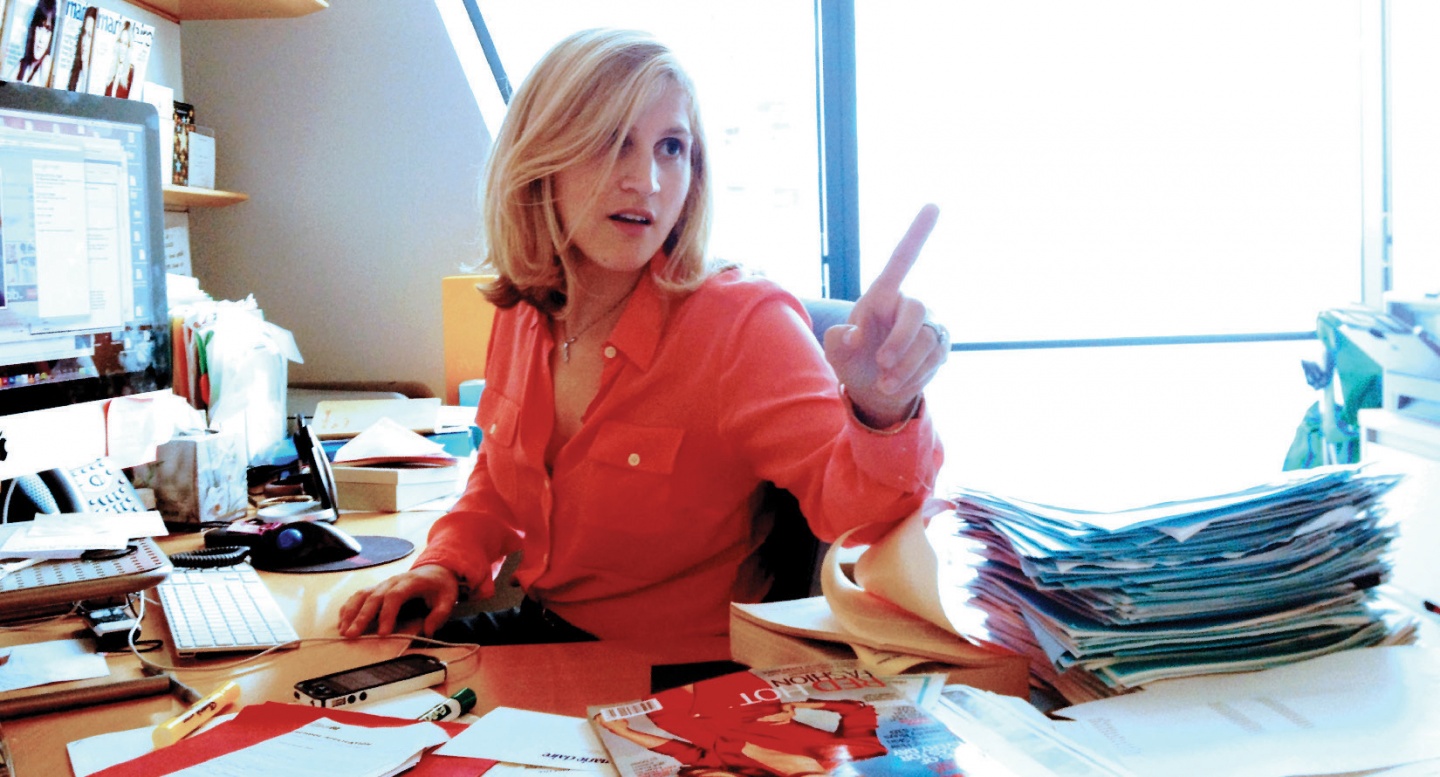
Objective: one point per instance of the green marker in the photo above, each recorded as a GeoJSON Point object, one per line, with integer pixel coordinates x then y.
{"type": "Point", "coordinates": [459, 703]}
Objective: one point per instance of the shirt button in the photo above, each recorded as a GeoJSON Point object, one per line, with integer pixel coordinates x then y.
{"type": "Point", "coordinates": [609, 351]}
{"type": "Point", "coordinates": [634, 459]}
{"type": "Point", "coordinates": [493, 427]}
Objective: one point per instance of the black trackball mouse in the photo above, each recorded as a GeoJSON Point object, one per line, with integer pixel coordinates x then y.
{"type": "Point", "coordinates": [301, 543]}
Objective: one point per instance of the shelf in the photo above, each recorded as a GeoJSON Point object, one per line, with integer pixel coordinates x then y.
{"type": "Point", "coordinates": [186, 197]}
{"type": "Point", "coordinates": [197, 10]}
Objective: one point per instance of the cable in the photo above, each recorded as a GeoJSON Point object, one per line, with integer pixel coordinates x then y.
{"type": "Point", "coordinates": [470, 648]}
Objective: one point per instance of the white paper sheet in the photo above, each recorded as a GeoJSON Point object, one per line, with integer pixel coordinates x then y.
{"type": "Point", "coordinates": [67, 535]}
{"type": "Point", "coordinates": [532, 738]}
{"type": "Point", "coordinates": [57, 661]}
{"type": "Point", "coordinates": [1360, 709]}
{"type": "Point", "coordinates": [323, 748]}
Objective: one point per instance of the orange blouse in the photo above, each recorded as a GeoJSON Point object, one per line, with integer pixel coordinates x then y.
{"type": "Point", "coordinates": [646, 526]}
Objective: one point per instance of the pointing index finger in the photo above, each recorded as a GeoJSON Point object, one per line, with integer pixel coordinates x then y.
{"type": "Point", "coordinates": [905, 254]}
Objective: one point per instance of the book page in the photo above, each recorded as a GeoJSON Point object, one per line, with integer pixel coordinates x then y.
{"type": "Point", "coordinates": [898, 598]}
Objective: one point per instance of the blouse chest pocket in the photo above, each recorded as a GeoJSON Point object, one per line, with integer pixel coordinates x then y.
{"type": "Point", "coordinates": [648, 449]}
{"type": "Point", "coordinates": [499, 420]}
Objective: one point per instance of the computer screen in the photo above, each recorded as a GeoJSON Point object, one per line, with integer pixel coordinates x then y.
{"type": "Point", "coordinates": [83, 314]}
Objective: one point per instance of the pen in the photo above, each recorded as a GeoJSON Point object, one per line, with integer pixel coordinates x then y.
{"type": "Point", "coordinates": [1432, 607]}
{"type": "Point", "coordinates": [459, 703]}
{"type": "Point", "coordinates": [175, 729]}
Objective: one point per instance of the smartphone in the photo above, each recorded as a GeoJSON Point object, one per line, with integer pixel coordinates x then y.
{"type": "Point", "coordinates": [379, 680]}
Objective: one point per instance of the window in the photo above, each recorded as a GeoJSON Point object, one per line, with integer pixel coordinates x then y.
{"type": "Point", "coordinates": [1415, 141]}
{"type": "Point", "coordinates": [753, 63]}
{"type": "Point", "coordinates": [1144, 205]}
{"type": "Point", "coordinates": [1117, 169]}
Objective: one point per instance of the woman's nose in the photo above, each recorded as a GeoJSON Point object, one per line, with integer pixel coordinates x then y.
{"type": "Point", "coordinates": [640, 176]}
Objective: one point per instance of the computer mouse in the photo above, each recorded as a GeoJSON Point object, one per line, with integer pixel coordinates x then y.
{"type": "Point", "coordinates": [301, 543]}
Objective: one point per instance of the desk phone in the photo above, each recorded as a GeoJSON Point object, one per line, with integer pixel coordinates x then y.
{"type": "Point", "coordinates": [98, 487]}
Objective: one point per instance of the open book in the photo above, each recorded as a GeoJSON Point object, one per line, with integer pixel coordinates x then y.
{"type": "Point", "coordinates": [905, 611]}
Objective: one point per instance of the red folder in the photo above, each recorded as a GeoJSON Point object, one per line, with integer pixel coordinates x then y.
{"type": "Point", "coordinates": [259, 722]}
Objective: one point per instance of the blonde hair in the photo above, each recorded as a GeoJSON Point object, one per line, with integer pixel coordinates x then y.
{"type": "Point", "coordinates": [578, 104]}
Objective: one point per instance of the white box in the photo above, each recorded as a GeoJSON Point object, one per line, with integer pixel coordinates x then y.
{"type": "Point", "coordinates": [388, 489]}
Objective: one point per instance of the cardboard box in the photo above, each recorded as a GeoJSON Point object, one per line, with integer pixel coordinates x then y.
{"type": "Point", "coordinates": [388, 489]}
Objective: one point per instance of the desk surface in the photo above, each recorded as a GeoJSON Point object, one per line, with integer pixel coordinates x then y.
{"type": "Point", "coordinates": [562, 679]}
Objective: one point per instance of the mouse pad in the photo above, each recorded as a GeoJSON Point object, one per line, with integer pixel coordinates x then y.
{"type": "Point", "coordinates": [373, 551]}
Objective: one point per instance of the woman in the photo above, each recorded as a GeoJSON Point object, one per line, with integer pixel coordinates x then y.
{"type": "Point", "coordinates": [637, 396]}
{"type": "Point", "coordinates": [34, 67]}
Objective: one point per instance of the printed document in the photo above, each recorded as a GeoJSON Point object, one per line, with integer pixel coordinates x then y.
{"type": "Point", "coordinates": [324, 748]}
{"type": "Point", "coordinates": [1368, 708]}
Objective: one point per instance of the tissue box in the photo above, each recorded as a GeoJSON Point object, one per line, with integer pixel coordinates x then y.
{"type": "Point", "coordinates": [388, 489]}
{"type": "Point", "coordinates": [200, 478]}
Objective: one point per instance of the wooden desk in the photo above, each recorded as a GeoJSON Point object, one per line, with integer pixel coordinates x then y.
{"type": "Point", "coordinates": [561, 679]}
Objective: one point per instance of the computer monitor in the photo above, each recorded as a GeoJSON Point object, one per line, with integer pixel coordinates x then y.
{"type": "Point", "coordinates": [83, 312]}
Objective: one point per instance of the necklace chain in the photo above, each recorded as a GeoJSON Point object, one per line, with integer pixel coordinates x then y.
{"type": "Point", "coordinates": [565, 345]}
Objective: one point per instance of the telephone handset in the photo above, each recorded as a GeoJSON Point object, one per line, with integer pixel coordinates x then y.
{"type": "Point", "coordinates": [96, 487]}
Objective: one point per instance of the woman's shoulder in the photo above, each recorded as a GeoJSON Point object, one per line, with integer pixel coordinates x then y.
{"type": "Point", "coordinates": [736, 284]}
{"type": "Point", "coordinates": [737, 299]}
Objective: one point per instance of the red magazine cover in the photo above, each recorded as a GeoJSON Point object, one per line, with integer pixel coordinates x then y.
{"type": "Point", "coordinates": [826, 718]}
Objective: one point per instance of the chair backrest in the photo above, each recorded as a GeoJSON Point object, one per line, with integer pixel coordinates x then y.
{"type": "Point", "coordinates": [792, 553]}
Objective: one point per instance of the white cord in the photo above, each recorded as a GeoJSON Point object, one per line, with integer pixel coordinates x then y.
{"type": "Point", "coordinates": [470, 649]}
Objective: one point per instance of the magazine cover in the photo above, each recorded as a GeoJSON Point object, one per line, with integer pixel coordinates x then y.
{"type": "Point", "coordinates": [131, 85]}
{"type": "Point", "coordinates": [101, 66]}
{"type": "Point", "coordinates": [127, 61]}
{"type": "Point", "coordinates": [825, 718]}
{"type": "Point", "coordinates": [29, 29]}
{"type": "Point", "coordinates": [71, 49]}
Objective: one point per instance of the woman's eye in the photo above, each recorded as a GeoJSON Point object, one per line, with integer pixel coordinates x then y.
{"type": "Point", "coordinates": [672, 147]}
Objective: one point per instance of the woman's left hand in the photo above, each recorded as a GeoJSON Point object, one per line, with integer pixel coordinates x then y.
{"type": "Point", "coordinates": [888, 350]}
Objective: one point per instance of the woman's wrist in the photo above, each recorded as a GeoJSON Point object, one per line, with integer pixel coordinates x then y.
{"type": "Point", "coordinates": [462, 586]}
{"type": "Point", "coordinates": [882, 422]}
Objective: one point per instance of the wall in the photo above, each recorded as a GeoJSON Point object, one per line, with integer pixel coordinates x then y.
{"type": "Point", "coordinates": [354, 133]}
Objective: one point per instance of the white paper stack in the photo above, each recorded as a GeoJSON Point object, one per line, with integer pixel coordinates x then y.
{"type": "Point", "coordinates": [1105, 602]}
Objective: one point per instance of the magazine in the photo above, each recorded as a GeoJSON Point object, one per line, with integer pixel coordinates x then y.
{"type": "Point", "coordinates": [803, 719]}
{"type": "Point", "coordinates": [101, 66]}
{"type": "Point", "coordinates": [74, 30]}
{"type": "Point", "coordinates": [132, 59]}
{"type": "Point", "coordinates": [119, 72]}
{"type": "Point", "coordinates": [28, 30]}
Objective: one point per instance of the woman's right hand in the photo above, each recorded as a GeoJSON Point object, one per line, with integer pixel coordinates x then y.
{"type": "Point", "coordinates": [380, 603]}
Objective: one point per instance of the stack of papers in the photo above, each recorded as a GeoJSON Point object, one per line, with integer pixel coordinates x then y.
{"type": "Point", "coordinates": [1105, 602]}
{"type": "Point", "coordinates": [70, 535]}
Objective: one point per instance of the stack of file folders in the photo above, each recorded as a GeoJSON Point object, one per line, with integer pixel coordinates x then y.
{"type": "Point", "coordinates": [1105, 602]}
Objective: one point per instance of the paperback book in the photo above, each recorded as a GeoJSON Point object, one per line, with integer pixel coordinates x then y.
{"type": "Point", "coordinates": [822, 718]}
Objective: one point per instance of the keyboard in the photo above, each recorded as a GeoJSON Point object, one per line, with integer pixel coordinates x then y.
{"type": "Point", "coordinates": [222, 610]}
